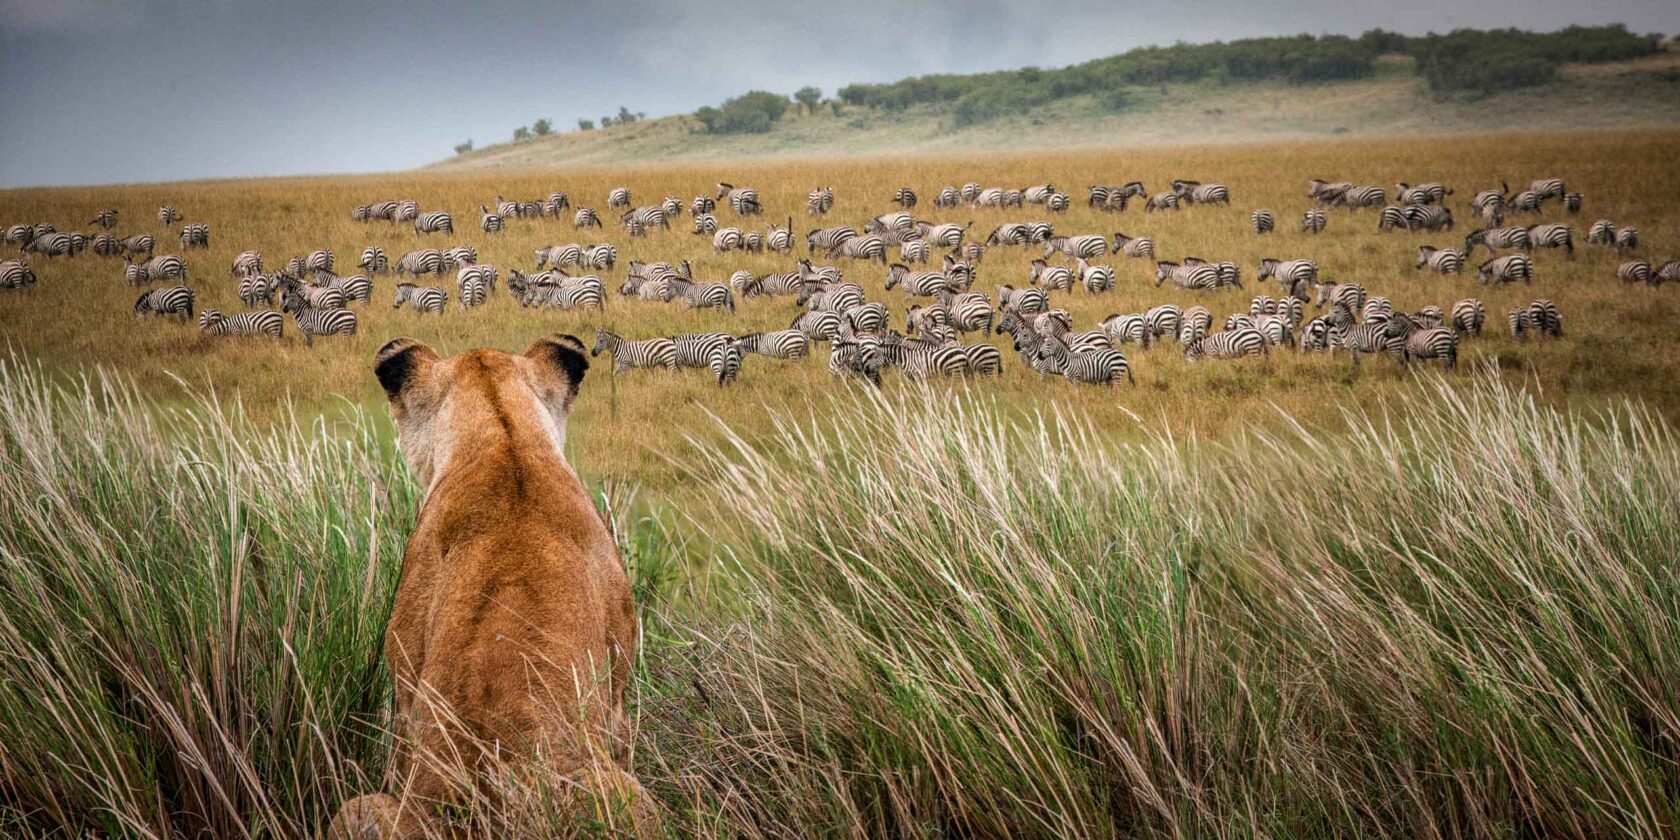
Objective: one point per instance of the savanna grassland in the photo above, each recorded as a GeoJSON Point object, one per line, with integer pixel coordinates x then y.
{"type": "Point", "coordinates": [1277, 597]}
{"type": "Point", "coordinates": [632, 428]}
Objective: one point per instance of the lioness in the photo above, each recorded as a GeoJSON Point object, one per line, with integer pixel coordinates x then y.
{"type": "Point", "coordinates": [513, 628]}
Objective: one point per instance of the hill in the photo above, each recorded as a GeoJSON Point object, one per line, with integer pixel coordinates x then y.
{"type": "Point", "coordinates": [1393, 100]}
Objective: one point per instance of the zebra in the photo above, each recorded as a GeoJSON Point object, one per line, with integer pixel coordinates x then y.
{"type": "Point", "coordinates": [924, 319]}
{"type": "Point", "coordinates": [1078, 247]}
{"type": "Point", "coordinates": [1393, 217]}
{"type": "Point", "coordinates": [1668, 272]}
{"type": "Point", "coordinates": [140, 243]}
{"type": "Point", "coordinates": [968, 311]}
{"type": "Point", "coordinates": [727, 239]}
{"type": "Point", "coordinates": [1188, 276]}
{"type": "Point", "coordinates": [1262, 222]}
{"type": "Point", "coordinates": [1022, 301]}
{"type": "Point", "coordinates": [694, 350]}
{"type": "Point", "coordinates": [1195, 192]}
{"type": "Point", "coordinates": [427, 260]}
{"type": "Point", "coordinates": [312, 322]}
{"type": "Point", "coordinates": [1547, 188]}
{"type": "Point", "coordinates": [504, 208]}
{"type": "Point", "coordinates": [743, 200]}
{"type": "Point", "coordinates": [355, 287]}
{"type": "Point", "coordinates": [421, 298]}
{"type": "Point", "coordinates": [914, 250]}
{"type": "Point", "coordinates": [1133, 246]}
{"type": "Point", "coordinates": [703, 295]}
{"type": "Point", "coordinates": [58, 244]}
{"type": "Point", "coordinates": [780, 239]}
{"type": "Point", "coordinates": [918, 283]}
{"type": "Point", "coordinates": [585, 217]}
{"type": "Point", "coordinates": [904, 197]}
{"type": "Point", "coordinates": [1009, 233]}
{"type": "Point", "coordinates": [247, 264]}
{"type": "Point", "coordinates": [406, 211]}
{"type": "Point", "coordinates": [1193, 323]}
{"type": "Point", "coordinates": [1552, 236]}
{"type": "Point", "coordinates": [459, 255]}
{"type": "Point", "coordinates": [1161, 201]}
{"type": "Point", "coordinates": [1356, 197]}
{"type": "Point", "coordinates": [778, 344]}
{"type": "Point", "coordinates": [106, 219]}
{"type": "Point", "coordinates": [770, 285]}
{"type": "Point", "coordinates": [1431, 192]}
{"type": "Point", "coordinates": [817, 325]}
{"type": "Point", "coordinates": [19, 235]}
{"type": "Point", "coordinates": [310, 296]}
{"type": "Point", "coordinates": [1428, 217]}
{"type": "Point", "coordinates": [857, 357]}
{"type": "Point", "coordinates": [836, 298]}
{"type": "Point", "coordinates": [1289, 272]}
{"type": "Point", "coordinates": [1543, 318]}
{"type": "Point", "coordinates": [1325, 192]}
{"type": "Point", "coordinates": [1102, 366]}
{"type": "Point", "coordinates": [1524, 202]}
{"type": "Point", "coordinates": [1377, 309]}
{"type": "Point", "coordinates": [672, 206]}
{"type": "Point", "coordinates": [1429, 317]}
{"type": "Point", "coordinates": [256, 289]}
{"type": "Point", "coordinates": [1350, 295]}
{"type": "Point", "coordinates": [1126, 329]}
{"type": "Point", "coordinates": [1057, 202]}
{"type": "Point", "coordinates": [490, 222]}
{"type": "Point", "coordinates": [1230, 344]}
{"type": "Point", "coordinates": [1038, 193]}
{"type": "Point", "coordinates": [1432, 343]}
{"type": "Point", "coordinates": [374, 260]}
{"type": "Point", "coordinates": [1635, 271]}
{"type": "Point", "coordinates": [828, 238]}
{"type": "Point", "coordinates": [1602, 232]}
{"type": "Point", "coordinates": [16, 274]}
{"type": "Point", "coordinates": [168, 215]}
{"type": "Point", "coordinates": [567, 296]}
{"type": "Point", "coordinates": [437, 221]}
{"type": "Point", "coordinates": [724, 361]}
{"type": "Point", "coordinates": [1096, 278]}
{"type": "Point", "coordinates": [946, 235]}
{"type": "Point", "coordinates": [1506, 269]}
{"type": "Point", "coordinates": [321, 260]}
{"type": "Point", "coordinates": [863, 247]}
{"type": "Point", "coordinates": [1518, 322]}
{"type": "Point", "coordinates": [166, 267]}
{"type": "Point", "coordinates": [1291, 309]}
{"type": "Point", "coordinates": [1627, 239]}
{"type": "Point", "coordinates": [1051, 277]}
{"type": "Point", "coordinates": [195, 235]}
{"type": "Point", "coordinates": [1495, 238]}
{"type": "Point", "coordinates": [1439, 260]}
{"type": "Point", "coordinates": [638, 220]}
{"type": "Point", "coordinates": [865, 318]}
{"type": "Point", "coordinates": [1315, 335]}
{"type": "Point", "coordinates": [485, 274]}
{"type": "Point", "coordinates": [558, 201]}
{"type": "Point", "coordinates": [970, 191]}
{"type": "Point", "coordinates": [1313, 221]}
{"type": "Point", "coordinates": [947, 197]}
{"type": "Point", "coordinates": [560, 256]}
{"type": "Point", "coordinates": [260, 322]}
{"type": "Point", "coordinates": [819, 201]}
{"type": "Point", "coordinates": [1372, 337]}
{"type": "Point", "coordinates": [705, 223]}
{"type": "Point", "coordinates": [603, 256]}
{"type": "Point", "coordinates": [619, 197]}
{"type": "Point", "coordinates": [1114, 199]}
{"type": "Point", "coordinates": [1572, 203]}
{"type": "Point", "coordinates": [1468, 316]}
{"type": "Point", "coordinates": [169, 300]}
{"type": "Point", "coordinates": [628, 355]}
{"type": "Point", "coordinates": [918, 360]}
{"type": "Point", "coordinates": [105, 245]}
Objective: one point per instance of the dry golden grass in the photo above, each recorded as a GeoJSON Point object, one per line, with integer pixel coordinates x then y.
{"type": "Point", "coordinates": [1619, 340]}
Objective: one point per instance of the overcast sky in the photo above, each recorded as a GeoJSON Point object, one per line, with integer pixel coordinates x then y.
{"type": "Point", "coordinates": [98, 91]}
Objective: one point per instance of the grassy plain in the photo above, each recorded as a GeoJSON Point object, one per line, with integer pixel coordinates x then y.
{"type": "Point", "coordinates": [1619, 340]}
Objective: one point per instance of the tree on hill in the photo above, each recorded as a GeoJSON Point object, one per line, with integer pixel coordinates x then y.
{"type": "Point", "coordinates": [542, 127]}
{"type": "Point", "coordinates": [463, 148]}
{"type": "Point", "coordinates": [521, 134]}
{"type": "Point", "coordinates": [585, 125]}
{"type": "Point", "coordinates": [809, 97]}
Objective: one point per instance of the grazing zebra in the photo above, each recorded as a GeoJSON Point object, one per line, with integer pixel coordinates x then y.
{"type": "Point", "coordinates": [1114, 199]}
{"type": "Point", "coordinates": [780, 239]}
{"type": "Point", "coordinates": [485, 274]}
{"type": "Point", "coordinates": [1668, 272]}
{"type": "Point", "coordinates": [1289, 272]}
{"type": "Point", "coordinates": [857, 357]}
{"type": "Point", "coordinates": [1350, 295]}
{"type": "Point", "coordinates": [947, 197]}
{"type": "Point", "coordinates": [1096, 278]}
{"type": "Point", "coordinates": [1547, 188]}
{"type": "Point", "coordinates": [560, 256]}
{"type": "Point", "coordinates": [1372, 337]}
{"type": "Point", "coordinates": [1230, 344]}
{"type": "Point", "coordinates": [1627, 239]}
{"type": "Point", "coordinates": [918, 283]}
{"type": "Point", "coordinates": [705, 223]}
{"type": "Point", "coordinates": [1506, 269]}
{"type": "Point", "coordinates": [1432, 343]}
{"type": "Point", "coordinates": [361, 213]}
{"type": "Point", "coordinates": [817, 325]}
{"type": "Point", "coordinates": [743, 200]}
{"type": "Point", "coordinates": [1054, 278]}
{"type": "Point", "coordinates": [1022, 301]}
{"type": "Point", "coordinates": [140, 243]}
{"type": "Point", "coordinates": [1009, 233]}
{"type": "Point", "coordinates": [946, 235]}
{"type": "Point", "coordinates": [1439, 260]}
{"type": "Point", "coordinates": [437, 221]}
{"type": "Point", "coordinates": [1393, 217]}
{"type": "Point", "coordinates": [1524, 202]}
{"type": "Point", "coordinates": [862, 247]}
{"type": "Point", "coordinates": [585, 217]}
{"type": "Point", "coordinates": [582, 293]}
{"type": "Point", "coordinates": [694, 350]}
{"type": "Point", "coordinates": [1428, 217]}
{"type": "Point", "coordinates": [865, 318]}
{"type": "Point", "coordinates": [374, 260]}
{"type": "Point", "coordinates": [904, 197]}
{"type": "Point", "coordinates": [490, 222]}
{"type": "Point", "coordinates": [105, 218]}
{"type": "Point", "coordinates": [311, 297]}
{"type": "Point", "coordinates": [1468, 316]}
{"type": "Point", "coordinates": [727, 239]}
{"type": "Point", "coordinates": [1356, 197]}
{"type": "Point", "coordinates": [195, 235]}
{"type": "Point", "coordinates": [1190, 276]}
{"type": "Point", "coordinates": [770, 285]}
{"type": "Point", "coordinates": [602, 256]}
{"type": "Point", "coordinates": [261, 322]}
{"type": "Point", "coordinates": [255, 289]}
{"type": "Point", "coordinates": [1572, 203]}
{"type": "Point", "coordinates": [1194, 192]}
{"type": "Point", "coordinates": [168, 215]}
{"type": "Point", "coordinates": [1495, 238]}
{"type": "Point", "coordinates": [1127, 329]}
{"type": "Point", "coordinates": [819, 201]}
{"type": "Point", "coordinates": [558, 201]}
{"type": "Point", "coordinates": [1057, 202]}
{"type": "Point", "coordinates": [672, 206]}
{"type": "Point", "coordinates": [628, 355]}
{"type": "Point", "coordinates": [424, 261]}
{"type": "Point", "coordinates": [1313, 221]}
{"type": "Point", "coordinates": [924, 319]}
{"type": "Point", "coordinates": [421, 298]}
{"type": "Point", "coordinates": [1427, 193]}
{"type": "Point", "coordinates": [459, 255]}
{"type": "Point", "coordinates": [1102, 366]}
{"type": "Point", "coordinates": [247, 264]}
{"type": "Point", "coordinates": [312, 322]}
{"type": "Point", "coordinates": [58, 244]}
{"type": "Point", "coordinates": [321, 260]}
{"type": "Point", "coordinates": [1552, 236]}
{"type": "Point", "coordinates": [1429, 317]}
{"type": "Point", "coordinates": [1134, 246]}
{"type": "Point", "coordinates": [20, 235]}
{"type": "Point", "coordinates": [618, 197]}
{"type": "Point", "coordinates": [1161, 201]}
{"type": "Point", "coordinates": [1038, 193]}
{"type": "Point", "coordinates": [1602, 232]}
{"type": "Point", "coordinates": [919, 360]}
{"type": "Point", "coordinates": [968, 311]}
{"type": "Point", "coordinates": [836, 298]}
{"type": "Point", "coordinates": [914, 250]}
{"type": "Point", "coordinates": [15, 274]}
{"type": "Point", "coordinates": [1315, 335]}
{"type": "Point", "coordinates": [407, 211]}
{"type": "Point", "coordinates": [1262, 222]}
{"type": "Point", "coordinates": [970, 191]}
{"type": "Point", "coordinates": [703, 295]}
{"type": "Point", "coordinates": [828, 238]}
{"type": "Point", "coordinates": [105, 245]}
{"type": "Point", "coordinates": [1635, 271]}
{"type": "Point", "coordinates": [170, 300]}
{"type": "Point", "coordinates": [1543, 318]}
{"type": "Point", "coordinates": [779, 344]}
{"type": "Point", "coordinates": [724, 361]}
{"type": "Point", "coordinates": [166, 267]}
{"type": "Point", "coordinates": [1193, 323]}
{"type": "Point", "coordinates": [1078, 247]}
{"type": "Point", "coordinates": [1325, 192]}
{"type": "Point", "coordinates": [638, 220]}
{"type": "Point", "coordinates": [1377, 309]}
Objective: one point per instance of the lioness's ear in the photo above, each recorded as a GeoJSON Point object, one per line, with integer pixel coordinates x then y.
{"type": "Point", "coordinates": [566, 356]}
{"type": "Point", "coordinates": [398, 362]}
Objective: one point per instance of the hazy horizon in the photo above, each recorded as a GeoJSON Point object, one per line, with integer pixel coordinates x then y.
{"type": "Point", "coordinates": [107, 91]}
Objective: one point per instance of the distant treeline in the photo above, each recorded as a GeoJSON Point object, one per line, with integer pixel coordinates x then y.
{"type": "Point", "coordinates": [1465, 61]}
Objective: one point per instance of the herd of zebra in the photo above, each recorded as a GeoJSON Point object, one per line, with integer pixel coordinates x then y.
{"type": "Point", "coordinates": [945, 307]}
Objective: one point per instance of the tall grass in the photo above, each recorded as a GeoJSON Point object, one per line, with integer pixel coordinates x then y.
{"type": "Point", "coordinates": [1455, 617]}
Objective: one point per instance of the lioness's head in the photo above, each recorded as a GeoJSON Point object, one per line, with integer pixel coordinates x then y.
{"type": "Point", "coordinates": [458, 404]}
